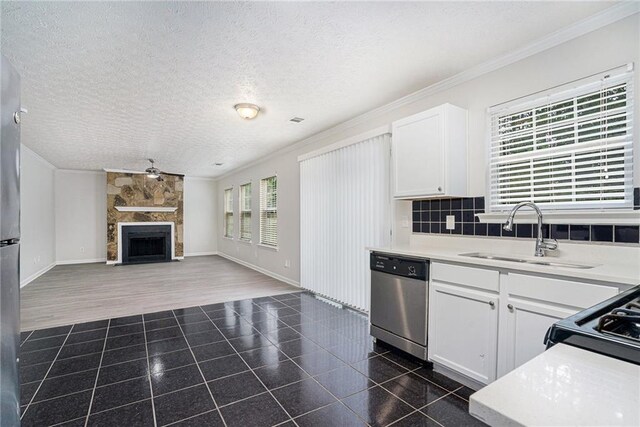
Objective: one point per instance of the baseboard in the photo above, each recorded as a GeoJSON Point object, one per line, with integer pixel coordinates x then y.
{"type": "Point", "coordinates": [80, 261]}
{"type": "Point", "coordinates": [201, 253]}
{"type": "Point", "coordinates": [35, 275]}
{"type": "Point", "coordinates": [260, 270]}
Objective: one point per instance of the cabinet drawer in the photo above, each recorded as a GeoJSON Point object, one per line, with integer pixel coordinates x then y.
{"type": "Point", "coordinates": [565, 292]}
{"type": "Point", "coordinates": [466, 276]}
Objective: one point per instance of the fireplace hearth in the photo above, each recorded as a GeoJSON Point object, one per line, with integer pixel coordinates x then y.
{"type": "Point", "coordinates": [146, 243]}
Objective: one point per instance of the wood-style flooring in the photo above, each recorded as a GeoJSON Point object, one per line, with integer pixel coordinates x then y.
{"type": "Point", "coordinates": [78, 293]}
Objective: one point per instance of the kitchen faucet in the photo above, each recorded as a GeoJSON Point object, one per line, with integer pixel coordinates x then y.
{"type": "Point", "coordinates": [541, 243]}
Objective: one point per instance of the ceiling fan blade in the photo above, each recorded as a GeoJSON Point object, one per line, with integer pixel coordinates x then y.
{"type": "Point", "coordinates": [172, 174]}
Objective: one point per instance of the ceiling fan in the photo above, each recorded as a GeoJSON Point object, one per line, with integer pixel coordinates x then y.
{"type": "Point", "coordinates": [154, 173]}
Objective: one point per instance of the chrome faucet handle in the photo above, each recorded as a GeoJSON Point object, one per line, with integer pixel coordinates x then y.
{"type": "Point", "coordinates": [549, 244]}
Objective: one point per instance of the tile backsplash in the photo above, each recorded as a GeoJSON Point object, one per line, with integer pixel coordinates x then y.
{"type": "Point", "coordinates": [430, 216]}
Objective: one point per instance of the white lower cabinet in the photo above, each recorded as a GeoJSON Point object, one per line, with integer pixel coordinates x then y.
{"type": "Point", "coordinates": [463, 330]}
{"type": "Point", "coordinates": [484, 323]}
{"type": "Point", "coordinates": [531, 305]}
{"type": "Point", "coordinates": [526, 324]}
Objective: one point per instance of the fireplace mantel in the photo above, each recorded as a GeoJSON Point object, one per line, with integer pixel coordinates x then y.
{"type": "Point", "coordinates": [145, 209]}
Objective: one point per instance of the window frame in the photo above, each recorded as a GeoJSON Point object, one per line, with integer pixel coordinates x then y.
{"type": "Point", "coordinates": [539, 100]}
{"type": "Point", "coordinates": [226, 232]}
{"type": "Point", "coordinates": [242, 210]}
{"type": "Point", "coordinates": [264, 209]}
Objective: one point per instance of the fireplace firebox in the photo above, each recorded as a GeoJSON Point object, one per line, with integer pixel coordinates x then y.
{"type": "Point", "coordinates": [146, 243]}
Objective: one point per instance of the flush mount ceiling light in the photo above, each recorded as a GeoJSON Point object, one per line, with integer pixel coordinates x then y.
{"type": "Point", "coordinates": [247, 111]}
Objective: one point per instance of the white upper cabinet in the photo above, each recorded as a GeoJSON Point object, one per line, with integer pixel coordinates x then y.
{"type": "Point", "coordinates": [429, 152]}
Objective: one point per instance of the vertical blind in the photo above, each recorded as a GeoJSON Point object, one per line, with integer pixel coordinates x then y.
{"type": "Point", "coordinates": [245, 211]}
{"type": "Point", "coordinates": [344, 207]}
{"type": "Point", "coordinates": [269, 211]}
{"type": "Point", "coordinates": [228, 212]}
{"type": "Point", "coordinates": [571, 149]}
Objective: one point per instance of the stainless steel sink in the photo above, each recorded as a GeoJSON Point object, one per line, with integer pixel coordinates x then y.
{"type": "Point", "coordinates": [546, 262]}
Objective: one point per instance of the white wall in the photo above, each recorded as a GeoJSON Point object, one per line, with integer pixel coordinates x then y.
{"type": "Point", "coordinates": [37, 243]}
{"type": "Point", "coordinates": [81, 216]}
{"type": "Point", "coordinates": [611, 46]}
{"type": "Point", "coordinates": [200, 211]}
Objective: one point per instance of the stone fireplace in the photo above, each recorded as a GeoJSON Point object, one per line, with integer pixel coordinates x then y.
{"type": "Point", "coordinates": [138, 205]}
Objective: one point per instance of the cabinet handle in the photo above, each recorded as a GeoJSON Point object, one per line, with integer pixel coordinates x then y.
{"type": "Point", "coordinates": [439, 188]}
{"type": "Point", "coordinates": [510, 307]}
{"type": "Point", "coordinates": [492, 304]}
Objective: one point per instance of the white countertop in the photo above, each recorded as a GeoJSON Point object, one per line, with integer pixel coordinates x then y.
{"type": "Point", "coordinates": [564, 386]}
{"type": "Point", "coordinates": [626, 272]}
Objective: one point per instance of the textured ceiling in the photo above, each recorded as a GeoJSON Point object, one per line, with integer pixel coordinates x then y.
{"type": "Point", "coordinates": [108, 84]}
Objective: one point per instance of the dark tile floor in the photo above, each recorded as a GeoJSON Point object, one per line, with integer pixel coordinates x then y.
{"type": "Point", "coordinates": [285, 360]}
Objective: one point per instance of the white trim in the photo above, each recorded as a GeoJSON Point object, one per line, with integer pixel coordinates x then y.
{"type": "Point", "coordinates": [173, 237]}
{"type": "Point", "coordinates": [382, 130]}
{"type": "Point", "coordinates": [91, 171]}
{"type": "Point", "coordinates": [201, 254]}
{"type": "Point", "coordinates": [122, 171]}
{"type": "Point", "coordinates": [145, 209]}
{"type": "Point", "coordinates": [35, 275]}
{"type": "Point", "coordinates": [80, 261]}
{"type": "Point", "coordinates": [260, 269]}
{"type": "Point", "coordinates": [200, 178]}
{"type": "Point", "coordinates": [580, 28]}
{"type": "Point", "coordinates": [613, 216]}
{"type": "Point", "coordinates": [273, 248]}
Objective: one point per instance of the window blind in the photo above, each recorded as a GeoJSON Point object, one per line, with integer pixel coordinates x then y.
{"type": "Point", "coordinates": [228, 212]}
{"type": "Point", "coordinates": [269, 211]}
{"type": "Point", "coordinates": [570, 149]}
{"type": "Point", "coordinates": [245, 211]}
{"type": "Point", "coordinates": [344, 207]}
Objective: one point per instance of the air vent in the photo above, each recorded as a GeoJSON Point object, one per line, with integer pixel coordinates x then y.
{"type": "Point", "coordinates": [296, 119]}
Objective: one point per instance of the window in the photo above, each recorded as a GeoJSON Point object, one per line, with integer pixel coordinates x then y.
{"type": "Point", "coordinates": [228, 212]}
{"type": "Point", "coordinates": [568, 149]}
{"type": "Point", "coordinates": [245, 212]}
{"type": "Point", "coordinates": [269, 211]}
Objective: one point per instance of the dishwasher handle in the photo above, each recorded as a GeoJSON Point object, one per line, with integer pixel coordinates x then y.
{"type": "Point", "coordinates": [414, 268]}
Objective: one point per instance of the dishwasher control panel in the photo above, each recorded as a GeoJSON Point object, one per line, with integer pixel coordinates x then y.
{"type": "Point", "coordinates": [400, 266]}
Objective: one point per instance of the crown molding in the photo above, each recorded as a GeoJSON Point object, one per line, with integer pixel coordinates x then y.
{"type": "Point", "coordinates": [91, 171]}
{"type": "Point", "coordinates": [594, 22]}
{"type": "Point", "coordinates": [122, 171]}
{"type": "Point", "coordinates": [199, 178]}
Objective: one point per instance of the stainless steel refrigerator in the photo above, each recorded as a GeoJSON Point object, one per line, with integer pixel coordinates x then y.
{"type": "Point", "coordinates": [9, 245]}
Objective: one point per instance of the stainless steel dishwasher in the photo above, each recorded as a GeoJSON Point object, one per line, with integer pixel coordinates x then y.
{"type": "Point", "coordinates": [399, 301]}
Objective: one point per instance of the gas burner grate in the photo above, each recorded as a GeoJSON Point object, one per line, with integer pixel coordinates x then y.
{"type": "Point", "coordinates": [624, 322]}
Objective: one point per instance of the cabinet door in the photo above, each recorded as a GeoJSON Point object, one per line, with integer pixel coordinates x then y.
{"type": "Point", "coordinates": [463, 330]}
{"type": "Point", "coordinates": [527, 323]}
{"type": "Point", "coordinates": [418, 154]}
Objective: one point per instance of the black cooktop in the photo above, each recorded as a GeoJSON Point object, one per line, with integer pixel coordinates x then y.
{"type": "Point", "coordinates": [611, 327]}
